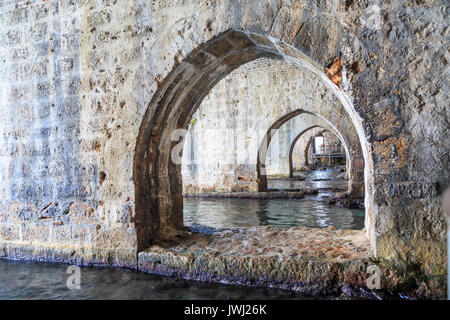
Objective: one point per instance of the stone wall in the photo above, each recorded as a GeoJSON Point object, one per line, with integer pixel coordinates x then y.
{"type": "Point", "coordinates": [83, 85]}
{"type": "Point", "coordinates": [226, 132]}
{"type": "Point", "coordinates": [66, 131]}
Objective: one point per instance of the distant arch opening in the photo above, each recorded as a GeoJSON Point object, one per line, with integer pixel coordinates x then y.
{"type": "Point", "coordinates": [353, 166]}
{"type": "Point", "coordinates": [334, 151]}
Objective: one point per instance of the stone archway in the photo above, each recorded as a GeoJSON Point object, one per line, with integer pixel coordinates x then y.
{"type": "Point", "coordinates": [264, 146]}
{"type": "Point", "coordinates": [274, 129]}
{"type": "Point", "coordinates": [158, 185]}
{"type": "Point", "coordinates": [355, 183]}
{"type": "Point", "coordinates": [293, 144]}
{"type": "Point", "coordinates": [308, 144]}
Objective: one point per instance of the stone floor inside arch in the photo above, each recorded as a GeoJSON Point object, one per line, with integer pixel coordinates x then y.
{"type": "Point", "coordinates": [288, 149]}
{"type": "Point", "coordinates": [314, 261]}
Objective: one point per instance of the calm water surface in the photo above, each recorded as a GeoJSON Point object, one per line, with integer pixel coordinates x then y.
{"type": "Point", "coordinates": [310, 211]}
{"type": "Point", "coordinates": [227, 213]}
{"type": "Point", "coordinates": [26, 280]}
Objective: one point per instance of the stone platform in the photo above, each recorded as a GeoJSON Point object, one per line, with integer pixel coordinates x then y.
{"type": "Point", "coordinates": [307, 260]}
{"type": "Point", "coordinates": [312, 261]}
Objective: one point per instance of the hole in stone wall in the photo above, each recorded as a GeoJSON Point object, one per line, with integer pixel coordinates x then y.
{"type": "Point", "coordinates": [102, 177]}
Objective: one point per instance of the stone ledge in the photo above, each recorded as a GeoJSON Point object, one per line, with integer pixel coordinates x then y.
{"type": "Point", "coordinates": [86, 256]}
{"type": "Point", "coordinates": [251, 195]}
{"type": "Point", "coordinates": [307, 260]}
{"type": "Point", "coordinates": [311, 261]}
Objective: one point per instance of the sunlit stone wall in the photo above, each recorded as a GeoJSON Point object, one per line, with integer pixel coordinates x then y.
{"type": "Point", "coordinates": [226, 132]}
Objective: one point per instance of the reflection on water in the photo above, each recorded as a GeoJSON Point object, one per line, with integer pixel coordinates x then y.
{"type": "Point", "coordinates": [309, 212]}
{"type": "Point", "coordinates": [23, 280]}
{"type": "Point", "coordinates": [226, 213]}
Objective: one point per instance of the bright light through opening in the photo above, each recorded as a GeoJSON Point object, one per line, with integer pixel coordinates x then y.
{"type": "Point", "coordinates": [318, 142]}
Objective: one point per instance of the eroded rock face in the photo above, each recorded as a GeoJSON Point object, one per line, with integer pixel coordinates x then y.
{"type": "Point", "coordinates": [77, 77]}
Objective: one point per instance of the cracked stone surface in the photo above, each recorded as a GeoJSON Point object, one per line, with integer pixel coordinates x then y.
{"type": "Point", "coordinates": [308, 260]}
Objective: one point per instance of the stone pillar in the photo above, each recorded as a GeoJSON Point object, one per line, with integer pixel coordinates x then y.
{"type": "Point", "coordinates": [356, 182]}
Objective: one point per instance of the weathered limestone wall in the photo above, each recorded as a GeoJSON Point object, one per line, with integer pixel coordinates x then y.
{"type": "Point", "coordinates": [67, 138]}
{"type": "Point", "coordinates": [225, 133]}
{"type": "Point", "coordinates": [77, 78]}
{"type": "Point", "coordinates": [330, 138]}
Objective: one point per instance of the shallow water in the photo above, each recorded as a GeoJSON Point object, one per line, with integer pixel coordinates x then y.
{"type": "Point", "coordinates": [227, 213]}
{"type": "Point", "coordinates": [26, 280]}
{"type": "Point", "coordinates": [309, 212]}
